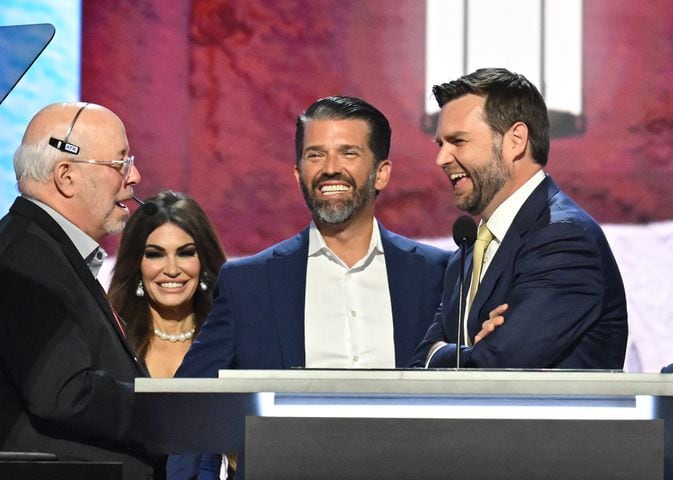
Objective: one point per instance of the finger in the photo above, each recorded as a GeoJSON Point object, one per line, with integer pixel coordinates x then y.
{"type": "Point", "coordinates": [488, 325]}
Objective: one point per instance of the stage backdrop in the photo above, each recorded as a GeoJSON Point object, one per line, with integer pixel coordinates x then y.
{"type": "Point", "coordinates": [210, 89]}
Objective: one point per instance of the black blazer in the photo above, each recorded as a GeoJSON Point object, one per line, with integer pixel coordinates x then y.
{"type": "Point", "coordinates": [66, 371]}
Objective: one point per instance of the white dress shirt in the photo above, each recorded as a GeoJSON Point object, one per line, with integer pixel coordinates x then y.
{"type": "Point", "coordinates": [348, 318]}
{"type": "Point", "coordinates": [503, 217]}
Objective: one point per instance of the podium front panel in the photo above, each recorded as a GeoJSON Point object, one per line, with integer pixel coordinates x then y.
{"type": "Point", "coordinates": [337, 448]}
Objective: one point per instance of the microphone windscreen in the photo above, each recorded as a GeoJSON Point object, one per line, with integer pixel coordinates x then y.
{"type": "Point", "coordinates": [464, 230]}
{"type": "Point", "coordinates": [150, 208]}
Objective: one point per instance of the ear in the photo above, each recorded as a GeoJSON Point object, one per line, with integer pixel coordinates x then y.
{"type": "Point", "coordinates": [65, 179]}
{"type": "Point", "coordinates": [297, 174]}
{"type": "Point", "coordinates": [383, 169]}
{"type": "Point", "coordinates": [515, 143]}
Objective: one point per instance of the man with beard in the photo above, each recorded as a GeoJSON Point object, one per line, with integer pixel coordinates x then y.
{"type": "Point", "coordinates": [66, 369]}
{"type": "Point", "coordinates": [548, 293]}
{"type": "Point", "coordinates": [343, 293]}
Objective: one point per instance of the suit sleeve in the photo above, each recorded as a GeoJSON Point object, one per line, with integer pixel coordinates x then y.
{"type": "Point", "coordinates": [214, 347]}
{"type": "Point", "coordinates": [556, 294]}
{"type": "Point", "coordinates": [51, 366]}
{"type": "Point", "coordinates": [433, 335]}
{"type": "Point", "coordinates": [435, 331]}
{"type": "Point", "coordinates": [212, 350]}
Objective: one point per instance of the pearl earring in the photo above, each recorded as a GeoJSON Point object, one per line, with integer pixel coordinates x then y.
{"type": "Point", "coordinates": [203, 283]}
{"type": "Point", "coordinates": [140, 291]}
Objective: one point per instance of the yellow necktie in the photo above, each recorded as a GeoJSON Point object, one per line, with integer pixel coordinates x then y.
{"type": "Point", "coordinates": [484, 237]}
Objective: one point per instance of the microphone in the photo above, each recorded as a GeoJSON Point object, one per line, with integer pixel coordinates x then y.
{"type": "Point", "coordinates": [464, 231]}
{"type": "Point", "coordinates": [464, 234]}
{"type": "Point", "coordinates": [149, 208]}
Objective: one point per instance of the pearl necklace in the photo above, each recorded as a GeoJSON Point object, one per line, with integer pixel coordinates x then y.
{"type": "Point", "coordinates": [181, 337]}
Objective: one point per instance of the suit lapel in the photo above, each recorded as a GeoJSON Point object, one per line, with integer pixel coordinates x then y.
{"type": "Point", "coordinates": [523, 221]}
{"type": "Point", "coordinates": [405, 281]}
{"type": "Point", "coordinates": [450, 313]}
{"type": "Point", "coordinates": [287, 287]}
{"type": "Point", "coordinates": [507, 249]}
{"type": "Point", "coordinates": [43, 219]}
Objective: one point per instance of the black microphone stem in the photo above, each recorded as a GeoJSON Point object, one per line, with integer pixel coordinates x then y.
{"type": "Point", "coordinates": [464, 234]}
{"type": "Point", "coordinates": [461, 303]}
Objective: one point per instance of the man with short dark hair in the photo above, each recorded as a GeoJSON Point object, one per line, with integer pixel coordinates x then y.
{"type": "Point", "coordinates": [343, 293]}
{"type": "Point", "coordinates": [546, 291]}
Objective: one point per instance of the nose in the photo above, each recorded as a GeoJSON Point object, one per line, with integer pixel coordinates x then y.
{"type": "Point", "coordinates": [134, 176]}
{"type": "Point", "coordinates": [171, 267]}
{"type": "Point", "coordinates": [332, 164]}
{"type": "Point", "coordinates": [444, 157]}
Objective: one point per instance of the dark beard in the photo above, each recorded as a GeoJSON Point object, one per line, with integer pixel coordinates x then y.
{"type": "Point", "coordinates": [339, 211]}
{"type": "Point", "coordinates": [487, 182]}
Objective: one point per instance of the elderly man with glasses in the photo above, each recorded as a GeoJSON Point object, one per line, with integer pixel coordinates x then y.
{"type": "Point", "coordinates": [66, 369]}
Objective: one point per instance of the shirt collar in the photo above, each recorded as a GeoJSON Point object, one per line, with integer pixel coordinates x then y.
{"type": "Point", "coordinates": [317, 245]}
{"type": "Point", "coordinates": [87, 247]}
{"type": "Point", "coordinates": [504, 215]}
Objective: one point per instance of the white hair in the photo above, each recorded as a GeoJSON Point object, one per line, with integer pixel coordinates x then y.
{"type": "Point", "coordinates": [35, 162]}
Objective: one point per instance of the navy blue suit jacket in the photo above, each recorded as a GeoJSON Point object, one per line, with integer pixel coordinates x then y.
{"type": "Point", "coordinates": [257, 320]}
{"type": "Point", "coordinates": [555, 270]}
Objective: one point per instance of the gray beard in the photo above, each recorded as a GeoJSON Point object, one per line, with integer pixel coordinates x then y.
{"type": "Point", "coordinates": [339, 211]}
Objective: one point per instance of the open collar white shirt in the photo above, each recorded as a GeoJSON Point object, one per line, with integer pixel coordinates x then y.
{"type": "Point", "coordinates": [348, 318]}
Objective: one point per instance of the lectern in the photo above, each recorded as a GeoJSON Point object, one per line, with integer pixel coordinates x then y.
{"type": "Point", "coordinates": [422, 423]}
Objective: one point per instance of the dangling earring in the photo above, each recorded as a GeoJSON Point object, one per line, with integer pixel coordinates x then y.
{"type": "Point", "coordinates": [203, 283]}
{"type": "Point", "coordinates": [140, 291]}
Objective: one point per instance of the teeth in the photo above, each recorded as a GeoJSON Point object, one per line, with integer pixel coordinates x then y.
{"type": "Point", "coordinates": [332, 189]}
{"type": "Point", "coordinates": [171, 284]}
{"type": "Point", "coordinates": [457, 176]}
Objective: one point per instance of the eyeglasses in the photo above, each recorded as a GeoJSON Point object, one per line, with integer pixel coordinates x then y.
{"type": "Point", "coordinates": [124, 166]}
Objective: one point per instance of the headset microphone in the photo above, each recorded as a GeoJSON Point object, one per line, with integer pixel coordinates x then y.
{"type": "Point", "coordinates": [149, 208]}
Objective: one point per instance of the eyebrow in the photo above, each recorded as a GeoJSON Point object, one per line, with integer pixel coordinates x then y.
{"type": "Point", "coordinates": [349, 147]}
{"type": "Point", "coordinates": [341, 148]}
{"type": "Point", "coordinates": [181, 247]}
{"type": "Point", "coordinates": [123, 153]}
{"type": "Point", "coordinates": [314, 148]}
{"type": "Point", "coordinates": [451, 136]}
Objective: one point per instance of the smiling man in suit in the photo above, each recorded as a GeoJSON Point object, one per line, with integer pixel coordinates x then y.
{"type": "Point", "coordinates": [548, 280]}
{"type": "Point", "coordinates": [66, 370]}
{"type": "Point", "coordinates": [344, 292]}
